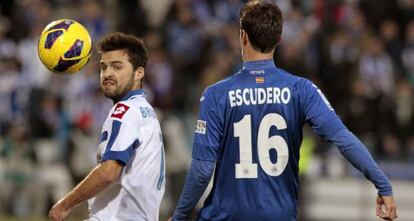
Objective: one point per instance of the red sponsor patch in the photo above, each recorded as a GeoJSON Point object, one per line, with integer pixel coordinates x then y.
{"type": "Point", "coordinates": [119, 111]}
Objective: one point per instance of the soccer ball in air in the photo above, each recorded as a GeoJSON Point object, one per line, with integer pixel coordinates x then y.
{"type": "Point", "coordinates": [64, 46]}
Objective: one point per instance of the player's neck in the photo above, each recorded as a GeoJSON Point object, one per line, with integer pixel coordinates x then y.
{"type": "Point", "coordinates": [257, 57]}
{"type": "Point", "coordinates": [252, 55]}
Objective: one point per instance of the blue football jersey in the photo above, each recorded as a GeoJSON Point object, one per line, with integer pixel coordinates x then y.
{"type": "Point", "coordinates": [250, 124]}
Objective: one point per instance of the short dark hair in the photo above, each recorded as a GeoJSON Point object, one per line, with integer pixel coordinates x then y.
{"type": "Point", "coordinates": [132, 45]}
{"type": "Point", "coordinates": [263, 24]}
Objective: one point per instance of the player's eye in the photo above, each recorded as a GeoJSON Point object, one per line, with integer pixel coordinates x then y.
{"type": "Point", "coordinates": [103, 67]}
{"type": "Point", "coordinates": [117, 67]}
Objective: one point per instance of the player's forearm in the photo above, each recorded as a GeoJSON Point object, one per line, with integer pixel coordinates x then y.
{"type": "Point", "coordinates": [194, 187]}
{"type": "Point", "coordinates": [92, 184]}
{"type": "Point", "coordinates": [357, 154]}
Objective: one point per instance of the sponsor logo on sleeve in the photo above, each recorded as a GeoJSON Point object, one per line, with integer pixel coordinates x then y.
{"type": "Point", "coordinates": [201, 127]}
{"type": "Point", "coordinates": [323, 97]}
{"type": "Point", "coordinates": [119, 111]}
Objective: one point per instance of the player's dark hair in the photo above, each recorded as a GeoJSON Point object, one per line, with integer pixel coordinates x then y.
{"type": "Point", "coordinates": [132, 45]}
{"type": "Point", "coordinates": [263, 24]}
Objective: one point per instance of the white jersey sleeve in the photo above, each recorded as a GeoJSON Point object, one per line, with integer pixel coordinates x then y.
{"type": "Point", "coordinates": [120, 136]}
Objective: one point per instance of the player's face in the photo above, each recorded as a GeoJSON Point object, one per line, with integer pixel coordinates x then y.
{"type": "Point", "coordinates": [117, 75]}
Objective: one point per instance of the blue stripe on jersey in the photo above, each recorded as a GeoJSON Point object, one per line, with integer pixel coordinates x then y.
{"type": "Point", "coordinates": [162, 168]}
{"type": "Point", "coordinates": [104, 136]}
{"type": "Point", "coordinates": [116, 125]}
{"type": "Point", "coordinates": [121, 156]}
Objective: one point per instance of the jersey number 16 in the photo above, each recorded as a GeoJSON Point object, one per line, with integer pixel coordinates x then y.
{"type": "Point", "coordinates": [243, 130]}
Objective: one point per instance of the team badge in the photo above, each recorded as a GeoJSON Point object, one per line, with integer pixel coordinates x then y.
{"type": "Point", "coordinates": [120, 110]}
{"type": "Point", "coordinates": [201, 127]}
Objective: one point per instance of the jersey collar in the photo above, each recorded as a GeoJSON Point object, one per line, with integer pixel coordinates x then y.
{"type": "Point", "coordinates": [133, 93]}
{"type": "Point", "coordinates": [263, 64]}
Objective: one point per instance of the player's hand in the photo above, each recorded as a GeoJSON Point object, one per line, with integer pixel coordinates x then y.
{"type": "Point", "coordinates": [387, 203]}
{"type": "Point", "coordinates": [59, 212]}
{"type": "Point", "coordinates": [169, 219]}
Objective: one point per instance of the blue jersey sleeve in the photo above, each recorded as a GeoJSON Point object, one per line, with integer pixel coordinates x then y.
{"type": "Point", "coordinates": [195, 184]}
{"type": "Point", "coordinates": [357, 154]}
{"type": "Point", "coordinates": [319, 113]}
{"type": "Point", "coordinates": [209, 127]}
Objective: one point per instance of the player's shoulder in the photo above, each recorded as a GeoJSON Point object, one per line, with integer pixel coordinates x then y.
{"type": "Point", "coordinates": [135, 101]}
{"type": "Point", "coordinates": [131, 108]}
{"type": "Point", "coordinates": [297, 81]}
{"type": "Point", "coordinates": [223, 85]}
{"type": "Point", "coordinates": [292, 78]}
{"type": "Point", "coordinates": [217, 88]}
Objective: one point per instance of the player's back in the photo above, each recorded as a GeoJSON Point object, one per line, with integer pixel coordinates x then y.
{"type": "Point", "coordinates": [256, 118]}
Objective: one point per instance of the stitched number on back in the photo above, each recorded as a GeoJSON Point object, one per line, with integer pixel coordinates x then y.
{"type": "Point", "coordinates": [242, 129]}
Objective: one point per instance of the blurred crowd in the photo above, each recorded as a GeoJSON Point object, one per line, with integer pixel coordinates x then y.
{"type": "Point", "coordinates": [359, 52]}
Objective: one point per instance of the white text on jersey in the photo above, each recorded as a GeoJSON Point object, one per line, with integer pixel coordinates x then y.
{"type": "Point", "coordinates": [254, 96]}
{"type": "Point", "coordinates": [147, 112]}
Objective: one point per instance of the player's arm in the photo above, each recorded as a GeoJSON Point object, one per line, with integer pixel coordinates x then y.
{"type": "Point", "coordinates": [327, 124]}
{"type": "Point", "coordinates": [98, 179]}
{"type": "Point", "coordinates": [357, 154]}
{"type": "Point", "coordinates": [205, 150]}
{"type": "Point", "coordinates": [195, 184]}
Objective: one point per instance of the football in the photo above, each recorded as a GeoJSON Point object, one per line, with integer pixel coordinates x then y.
{"type": "Point", "coordinates": [64, 46]}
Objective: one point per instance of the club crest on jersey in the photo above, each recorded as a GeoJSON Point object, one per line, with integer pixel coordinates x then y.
{"type": "Point", "coordinates": [120, 110]}
{"type": "Point", "coordinates": [201, 127]}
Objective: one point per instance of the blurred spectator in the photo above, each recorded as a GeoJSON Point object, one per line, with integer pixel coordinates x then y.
{"type": "Point", "coordinates": [376, 11]}
{"type": "Point", "coordinates": [19, 190]}
{"type": "Point", "coordinates": [156, 11]}
{"type": "Point", "coordinates": [227, 11]}
{"type": "Point", "coordinates": [10, 90]}
{"type": "Point", "coordinates": [390, 34]}
{"type": "Point", "coordinates": [184, 42]}
{"type": "Point", "coordinates": [404, 110]}
{"type": "Point", "coordinates": [92, 17]}
{"type": "Point", "coordinates": [34, 73]}
{"type": "Point", "coordinates": [359, 52]}
{"type": "Point", "coordinates": [391, 146]}
{"type": "Point", "coordinates": [7, 46]}
{"type": "Point", "coordinates": [408, 51]}
{"type": "Point", "coordinates": [132, 19]}
{"type": "Point", "coordinates": [376, 70]}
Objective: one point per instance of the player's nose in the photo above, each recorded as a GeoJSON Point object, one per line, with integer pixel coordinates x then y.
{"type": "Point", "coordinates": [108, 73]}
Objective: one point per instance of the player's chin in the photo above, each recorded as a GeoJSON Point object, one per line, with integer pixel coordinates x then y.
{"type": "Point", "coordinates": [111, 94]}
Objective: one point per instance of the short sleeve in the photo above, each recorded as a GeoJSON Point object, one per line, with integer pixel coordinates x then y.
{"type": "Point", "coordinates": [122, 136]}
{"type": "Point", "coordinates": [209, 128]}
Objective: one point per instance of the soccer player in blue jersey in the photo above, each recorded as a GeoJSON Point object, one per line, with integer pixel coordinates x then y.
{"type": "Point", "coordinates": [128, 181]}
{"type": "Point", "coordinates": [249, 131]}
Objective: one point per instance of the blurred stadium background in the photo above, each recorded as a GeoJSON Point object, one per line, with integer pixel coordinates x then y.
{"type": "Point", "coordinates": [360, 52]}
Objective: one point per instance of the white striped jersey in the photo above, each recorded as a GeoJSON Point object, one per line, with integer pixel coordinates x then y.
{"type": "Point", "coordinates": [132, 136]}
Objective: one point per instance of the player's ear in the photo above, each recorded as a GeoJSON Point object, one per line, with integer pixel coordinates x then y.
{"type": "Point", "coordinates": [139, 73]}
{"type": "Point", "coordinates": [243, 37]}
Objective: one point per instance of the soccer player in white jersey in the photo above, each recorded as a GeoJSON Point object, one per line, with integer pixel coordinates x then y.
{"type": "Point", "coordinates": [128, 182]}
